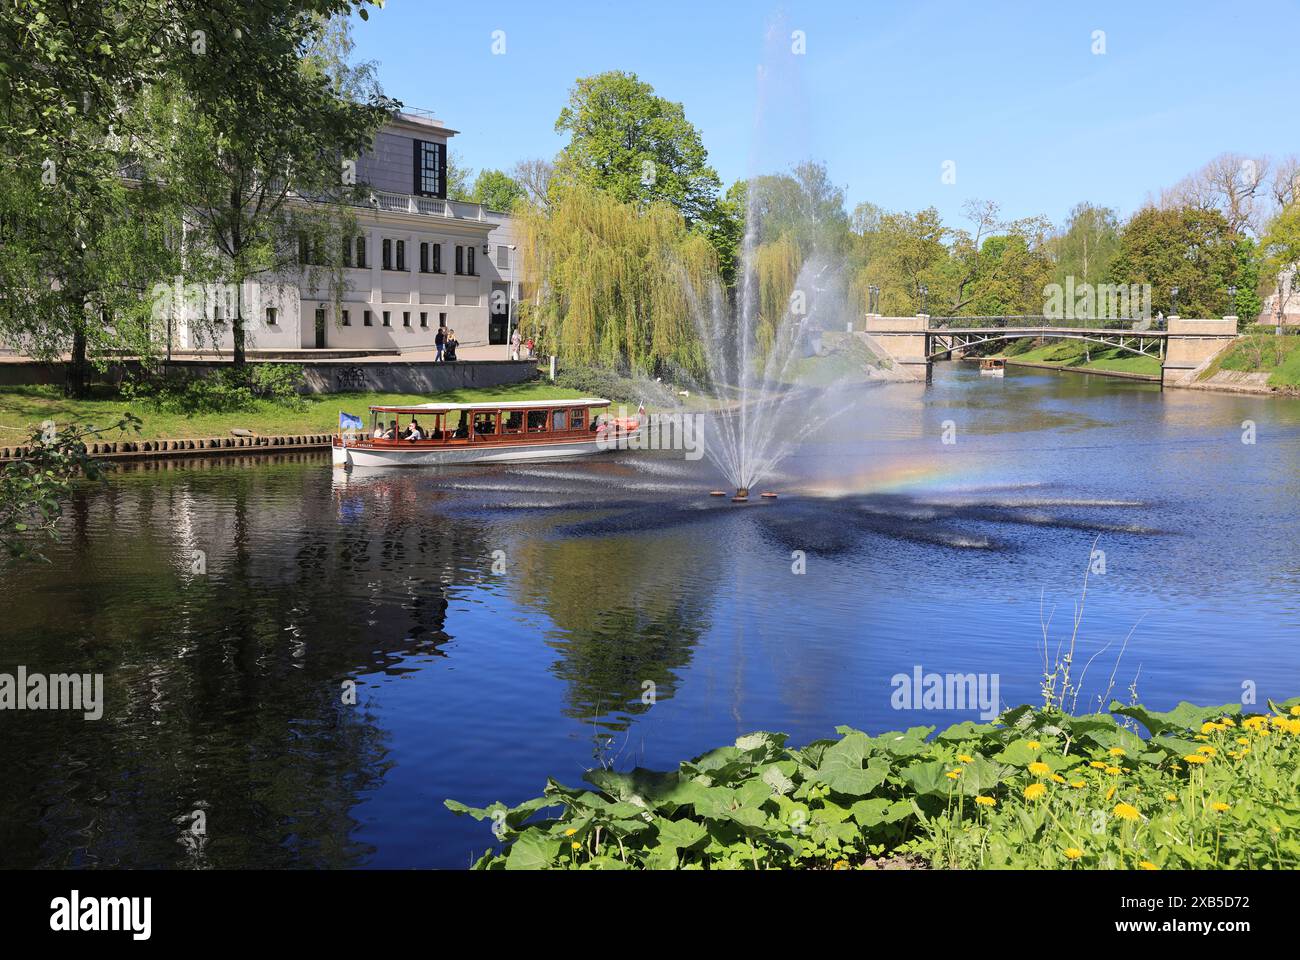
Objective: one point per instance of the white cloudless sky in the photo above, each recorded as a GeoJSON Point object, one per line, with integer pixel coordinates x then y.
{"type": "Point", "coordinates": [887, 91]}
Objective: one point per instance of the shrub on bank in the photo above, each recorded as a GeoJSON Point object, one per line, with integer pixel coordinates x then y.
{"type": "Point", "coordinates": [221, 391]}
{"type": "Point", "coordinates": [1207, 787]}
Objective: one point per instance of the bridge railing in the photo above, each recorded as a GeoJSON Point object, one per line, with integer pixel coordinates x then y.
{"type": "Point", "coordinates": [1097, 323]}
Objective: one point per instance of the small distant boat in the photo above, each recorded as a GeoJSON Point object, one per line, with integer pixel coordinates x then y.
{"type": "Point", "coordinates": [993, 367]}
{"type": "Point", "coordinates": [489, 432]}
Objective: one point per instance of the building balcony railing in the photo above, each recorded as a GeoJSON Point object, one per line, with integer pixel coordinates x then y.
{"type": "Point", "coordinates": [428, 206]}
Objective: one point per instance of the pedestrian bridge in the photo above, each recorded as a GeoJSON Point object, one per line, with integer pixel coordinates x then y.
{"type": "Point", "coordinates": [1181, 344]}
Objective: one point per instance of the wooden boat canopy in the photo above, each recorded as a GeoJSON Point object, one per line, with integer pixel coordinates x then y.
{"type": "Point", "coordinates": [495, 405]}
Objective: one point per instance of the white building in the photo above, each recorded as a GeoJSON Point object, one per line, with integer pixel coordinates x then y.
{"type": "Point", "coordinates": [419, 262]}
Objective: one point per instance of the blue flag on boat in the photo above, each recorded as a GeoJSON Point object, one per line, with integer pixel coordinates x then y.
{"type": "Point", "coordinates": [349, 422]}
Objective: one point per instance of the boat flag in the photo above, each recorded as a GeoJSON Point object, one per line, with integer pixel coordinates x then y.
{"type": "Point", "coordinates": [348, 422]}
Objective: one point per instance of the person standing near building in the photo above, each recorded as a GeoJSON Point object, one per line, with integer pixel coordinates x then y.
{"type": "Point", "coordinates": [439, 342]}
{"type": "Point", "coordinates": [449, 348]}
{"type": "Point", "coordinates": [514, 345]}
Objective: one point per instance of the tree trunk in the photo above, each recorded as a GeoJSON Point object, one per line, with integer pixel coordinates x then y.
{"type": "Point", "coordinates": [237, 328]}
{"type": "Point", "coordinates": [76, 384]}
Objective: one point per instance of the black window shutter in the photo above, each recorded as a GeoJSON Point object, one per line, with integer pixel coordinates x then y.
{"type": "Point", "coordinates": [417, 144]}
{"type": "Point", "coordinates": [440, 157]}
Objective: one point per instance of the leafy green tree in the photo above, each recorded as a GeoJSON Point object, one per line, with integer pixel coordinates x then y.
{"type": "Point", "coordinates": [267, 140]}
{"type": "Point", "coordinates": [496, 190]}
{"type": "Point", "coordinates": [1279, 253]}
{"type": "Point", "coordinates": [639, 147]}
{"type": "Point", "coordinates": [1085, 248]}
{"type": "Point", "coordinates": [906, 252]}
{"type": "Point", "coordinates": [725, 229]}
{"type": "Point", "coordinates": [1190, 248]}
{"type": "Point", "coordinates": [1000, 267]}
{"type": "Point", "coordinates": [804, 205]}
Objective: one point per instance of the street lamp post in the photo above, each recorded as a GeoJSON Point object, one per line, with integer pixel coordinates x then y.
{"type": "Point", "coordinates": [924, 291]}
{"type": "Point", "coordinates": [510, 301]}
{"type": "Point", "coordinates": [1173, 310]}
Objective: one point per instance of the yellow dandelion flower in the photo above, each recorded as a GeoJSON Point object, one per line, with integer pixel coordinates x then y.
{"type": "Point", "coordinates": [1126, 811]}
{"type": "Point", "coordinates": [1295, 711]}
{"type": "Point", "coordinates": [962, 758]}
{"type": "Point", "coordinates": [1113, 771]}
{"type": "Point", "coordinates": [1251, 723]}
{"type": "Point", "coordinates": [1038, 768]}
{"type": "Point", "coordinates": [1171, 797]}
{"type": "Point", "coordinates": [1195, 758]}
{"type": "Point", "coordinates": [1110, 793]}
{"type": "Point", "coordinates": [1117, 751]}
{"type": "Point", "coordinates": [577, 845]}
{"type": "Point", "coordinates": [1033, 744]}
{"type": "Point", "coordinates": [953, 774]}
{"type": "Point", "coordinates": [841, 865]}
{"type": "Point", "coordinates": [1073, 853]}
{"type": "Point", "coordinates": [1220, 807]}
{"type": "Point", "coordinates": [1079, 784]}
{"type": "Point", "coordinates": [1209, 727]}
{"type": "Point", "coordinates": [1148, 865]}
{"type": "Point", "coordinates": [1227, 722]}
{"type": "Point", "coordinates": [1208, 751]}
{"type": "Point", "coordinates": [1098, 764]}
{"type": "Point", "coordinates": [1244, 741]}
{"type": "Point", "coordinates": [570, 832]}
{"type": "Point", "coordinates": [1035, 791]}
{"type": "Point", "coordinates": [985, 801]}
{"type": "Point", "coordinates": [1057, 778]}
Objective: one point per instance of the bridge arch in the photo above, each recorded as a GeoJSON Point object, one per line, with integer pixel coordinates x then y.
{"type": "Point", "coordinates": [1115, 340]}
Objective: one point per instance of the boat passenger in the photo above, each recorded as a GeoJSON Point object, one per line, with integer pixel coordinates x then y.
{"type": "Point", "coordinates": [391, 432]}
{"type": "Point", "coordinates": [462, 431]}
{"type": "Point", "coordinates": [414, 431]}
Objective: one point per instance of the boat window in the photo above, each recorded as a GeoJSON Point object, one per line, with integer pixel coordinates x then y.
{"type": "Point", "coordinates": [485, 424]}
{"type": "Point", "coordinates": [536, 421]}
{"type": "Point", "coordinates": [577, 419]}
{"type": "Point", "coordinates": [458, 424]}
{"type": "Point", "coordinates": [514, 422]}
{"type": "Point", "coordinates": [560, 420]}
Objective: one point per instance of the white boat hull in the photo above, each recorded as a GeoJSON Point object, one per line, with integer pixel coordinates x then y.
{"type": "Point", "coordinates": [487, 453]}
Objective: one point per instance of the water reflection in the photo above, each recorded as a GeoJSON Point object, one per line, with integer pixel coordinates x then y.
{"type": "Point", "coordinates": [502, 622]}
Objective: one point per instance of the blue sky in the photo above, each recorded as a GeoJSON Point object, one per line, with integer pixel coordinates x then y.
{"type": "Point", "coordinates": [885, 93]}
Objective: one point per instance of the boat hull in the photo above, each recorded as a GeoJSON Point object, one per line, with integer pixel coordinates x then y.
{"type": "Point", "coordinates": [487, 453]}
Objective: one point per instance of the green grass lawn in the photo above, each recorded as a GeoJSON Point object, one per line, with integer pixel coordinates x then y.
{"type": "Point", "coordinates": [23, 409]}
{"type": "Point", "coordinates": [1262, 353]}
{"type": "Point", "coordinates": [1071, 353]}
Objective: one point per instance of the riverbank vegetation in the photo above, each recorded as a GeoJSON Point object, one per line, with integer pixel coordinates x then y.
{"type": "Point", "coordinates": [1257, 352]}
{"type": "Point", "coordinates": [1130, 789]}
{"type": "Point", "coordinates": [1081, 355]}
{"type": "Point", "coordinates": [24, 409]}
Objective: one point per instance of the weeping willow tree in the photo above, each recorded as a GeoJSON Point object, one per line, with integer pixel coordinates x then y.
{"type": "Point", "coordinates": [774, 270]}
{"type": "Point", "coordinates": [615, 282]}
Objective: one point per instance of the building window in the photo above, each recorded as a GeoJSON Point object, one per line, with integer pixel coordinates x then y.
{"type": "Point", "coordinates": [401, 254]}
{"type": "Point", "coordinates": [365, 319]}
{"type": "Point", "coordinates": [347, 318]}
{"type": "Point", "coordinates": [460, 260]}
{"type": "Point", "coordinates": [361, 252]}
{"type": "Point", "coordinates": [424, 258]}
{"type": "Point", "coordinates": [388, 254]}
{"type": "Point", "coordinates": [347, 251]}
{"type": "Point", "coordinates": [430, 169]}
{"type": "Point", "coordinates": [270, 316]}
{"type": "Point", "coordinates": [503, 257]}
{"type": "Point", "coordinates": [387, 319]}
{"type": "Point", "coordinates": [442, 320]}
{"type": "Point", "coordinates": [470, 263]}
{"type": "Point", "coordinates": [406, 318]}
{"type": "Point", "coordinates": [424, 320]}
{"type": "Point", "coordinates": [437, 258]}
{"type": "Point", "coordinates": [304, 251]}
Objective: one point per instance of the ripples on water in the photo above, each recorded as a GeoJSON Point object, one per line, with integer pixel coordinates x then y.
{"type": "Point", "coordinates": [502, 623]}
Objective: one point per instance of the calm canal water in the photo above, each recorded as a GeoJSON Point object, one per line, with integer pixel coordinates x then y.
{"type": "Point", "coordinates": [223, 689]}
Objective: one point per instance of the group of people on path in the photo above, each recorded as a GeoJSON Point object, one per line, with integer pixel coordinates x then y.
{"type": "Point", "coordinates": [445, 343]}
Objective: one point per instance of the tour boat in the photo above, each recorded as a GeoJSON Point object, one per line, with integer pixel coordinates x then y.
{"type": "Point", "coordinates": [993, 367]}
{"type": "Point", "coordinates": [491, 432]}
